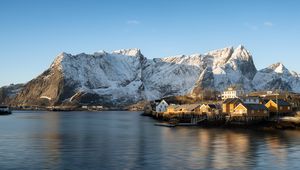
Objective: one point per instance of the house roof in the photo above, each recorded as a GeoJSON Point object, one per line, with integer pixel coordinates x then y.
{"type": "Point", "coordinates": [212, 106]}
{"type": "Point", "coordinates": [234, 100]}
{"type": "Point", "coordinates": [163, 101]}
{"type": "Point", "coordinates": [188, 107]}
{"type": "Point", "coordinates": [255, 106]}
{"type": "Point", "coordinates": [249, 97]}
{"type": "Point", "coordinates": [266, 100]}
{"type": "Point", "coordinates": [281, 102]}
{"type": "Point", "coordinates": [173, 106]}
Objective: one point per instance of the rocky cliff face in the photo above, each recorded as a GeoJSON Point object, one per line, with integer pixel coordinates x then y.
{"type": "Point", "coordinates": [47, 89]}
{"type": "Point", "coordinates": [124, 77]}
{"type": "Point", "coordinates": [205, 81]}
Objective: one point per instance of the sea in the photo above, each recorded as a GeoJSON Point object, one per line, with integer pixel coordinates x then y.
{"type": "Point", "coordinates": [119, 140]}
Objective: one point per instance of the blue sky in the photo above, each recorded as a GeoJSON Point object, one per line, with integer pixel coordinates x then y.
{"type": "Point", "coordinates": [33, 32]}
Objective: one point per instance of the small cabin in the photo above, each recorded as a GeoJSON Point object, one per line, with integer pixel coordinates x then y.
{"type": "Point", "coordinates": [162, 107]}
{"type": "Point", "coordinates": [209, 109]}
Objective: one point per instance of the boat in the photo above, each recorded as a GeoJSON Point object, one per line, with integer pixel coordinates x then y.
{"type": "Point", "coordinates": [5, 110]}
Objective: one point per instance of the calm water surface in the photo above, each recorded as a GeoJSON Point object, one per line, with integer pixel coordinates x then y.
{"type": "Point", "coordinates": [125, 140]}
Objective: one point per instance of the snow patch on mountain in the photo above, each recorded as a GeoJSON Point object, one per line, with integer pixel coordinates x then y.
{"type": "Point", "coordinates": [171, 75]}
{"type": "Point", "coordinates": [135, 52]}
{"type": "Point", "coordinates": [116, 74]}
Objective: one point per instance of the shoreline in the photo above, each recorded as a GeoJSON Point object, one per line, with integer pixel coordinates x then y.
{"type": "Point", "coordinates": [74, 109]}
{"type": "Point", "coordinates": [261, 125]}
{"type": "Point", "coordinates": [282, 124]}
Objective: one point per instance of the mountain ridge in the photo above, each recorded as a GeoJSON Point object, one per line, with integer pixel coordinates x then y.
{"type": "Point", "coordinates": [125, 76]}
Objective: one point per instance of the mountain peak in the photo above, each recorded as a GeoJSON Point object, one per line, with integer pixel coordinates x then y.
{"type": "Point", "coordinates": [59, 58]}
{"type": "Point", "coordinates": [100, 53]}
{"type": "Point", "coordinates": [227, 51]}
{"type": "Point", "coordinates": [240, 46]}
{"type": "Point", "coordinates": [278, 67]}
{"type": "Point", "coordinates": [241, 53]}
{"type": "Point", "coordinates": [134, 52]}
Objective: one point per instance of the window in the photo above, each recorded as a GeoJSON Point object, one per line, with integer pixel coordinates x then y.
{"type": "Point", "coordinates": [289, 108]}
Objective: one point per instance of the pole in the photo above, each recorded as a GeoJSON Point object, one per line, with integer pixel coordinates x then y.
{"type": "Point", "coordinates": [277, 105]}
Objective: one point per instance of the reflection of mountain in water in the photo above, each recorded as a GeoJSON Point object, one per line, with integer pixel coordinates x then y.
{"type": "Point", "coordinates": [125, 140]}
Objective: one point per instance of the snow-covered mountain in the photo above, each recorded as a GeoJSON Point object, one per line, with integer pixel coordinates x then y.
{"type": "Point", "coordinates": [231, 66]}
{"type": "Point", "coordinates": [9, 92]}
{"type": "Point", "coordinates": [125, 76]}
{"type": "Point", "coordinates": [277, 76]}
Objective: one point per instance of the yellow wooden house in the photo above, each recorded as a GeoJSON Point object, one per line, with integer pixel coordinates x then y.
{"type": "Point", "coordinates": [189, 109]}
{"type": "Point", "coordinates": [229, 105]}
{"type": "Point", "coordinates": [172, 109]}
{"type": "Point", "coordinates": [183, 109]}
{"type": "Point", "coordinates": [279, 106]}
{"type": "Point", "coordinates": [250, 110]}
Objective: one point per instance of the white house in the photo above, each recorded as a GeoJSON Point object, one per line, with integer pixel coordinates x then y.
{"type": "Point", "coordinates": [162, 106]}
{"type": "Point", "coordinates": [232, 92]}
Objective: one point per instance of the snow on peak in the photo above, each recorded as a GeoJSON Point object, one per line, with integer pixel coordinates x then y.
{"type": "Point", "coordinates": [278, 67]}
{"type": "Point", "coordinates": [224, 52]}
{"type": "Point", "coordinates": [229, 52]}
{"type": "Point", "coordinates": [194, 59]}
{"type": "Point", "coordinates": [100, 53]}
{"type": "Point", "coordinates": [240, 46]}
{"type": "Point", "coordinates": [295, 74]}
{"type": "Point", "coordinates": [217, 58]}
{"type": "Point", "coordinates": [134, 52]}
{"type": "Point", "coordinates": [241, 53]}
{"type": "Point", "coordinates": [58, 60]}
{"type": "Point", "coordinates": [277, 76]}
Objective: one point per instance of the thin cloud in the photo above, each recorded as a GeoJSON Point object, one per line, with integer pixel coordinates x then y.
{"type": "Point", "coordinates": [133, 22]}
{"type": "Point", "coordinates": [268, 24]}
{"type": "Point", "coordinates": [251, 26]}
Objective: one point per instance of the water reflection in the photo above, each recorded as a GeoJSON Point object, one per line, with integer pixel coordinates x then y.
{"type": "Point", "coordinates": [125, 140]}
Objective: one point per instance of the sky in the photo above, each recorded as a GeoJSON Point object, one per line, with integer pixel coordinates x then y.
{"type": "Point", "coordinates": [34, 32]}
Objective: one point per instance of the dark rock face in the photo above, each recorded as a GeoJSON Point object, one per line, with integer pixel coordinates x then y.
{"type": "Point", "coordinates": [247, 68]}
{"type": "Point", "coordinates": [205, 81]}
{"type": "Point", "coordinates": [279, 84]}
